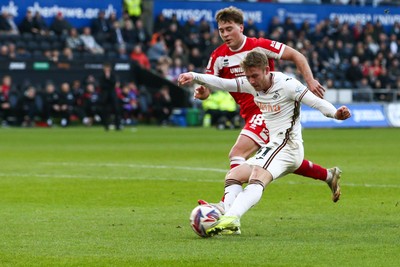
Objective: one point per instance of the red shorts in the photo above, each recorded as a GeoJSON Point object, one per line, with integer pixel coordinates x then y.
{"type": "Point", "coordinates": [256, 129]}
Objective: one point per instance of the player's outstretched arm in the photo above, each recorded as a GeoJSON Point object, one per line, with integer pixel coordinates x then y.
{"type": "Point", "coordinates": [200, 92]}
{"type": "Point", "coordinates": [342, 113]}
{"type": "Point", "coordinates": [304, 68]}
{"type": "Point", "coordinates": [212, 82]}
{"type": "Point", "coordinates": [185, 78]}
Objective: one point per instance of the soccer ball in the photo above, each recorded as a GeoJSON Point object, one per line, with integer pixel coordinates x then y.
{"type": "Point", "coordinates": [202, 218]}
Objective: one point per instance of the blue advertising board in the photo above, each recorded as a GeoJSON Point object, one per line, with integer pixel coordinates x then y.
{"type": "Point", "coordinates": [363, 115]}
{"type": "Point", "coordinates": [79, 13]}
{"type": "Point", "coordinates": [261, 13]}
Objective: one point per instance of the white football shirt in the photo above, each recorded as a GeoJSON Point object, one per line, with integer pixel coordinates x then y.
{"type": "Point", "coordinates": [279, 104]}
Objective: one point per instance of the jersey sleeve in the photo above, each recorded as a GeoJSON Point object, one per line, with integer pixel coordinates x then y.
{"type": "Point", "coordinates": [322, 105]}
{"type": "Point", "coordinates": [273, 49]}
{"type": "Point", "coordinates": [211, 67]}
{"type": "Point", "coordinates": [240, 84]}
{"type": "Point", "coordinates": [299, 92]}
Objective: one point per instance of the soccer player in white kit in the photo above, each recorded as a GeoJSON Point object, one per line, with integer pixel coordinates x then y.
{"type": "Point", "coordinates": [278, 96]}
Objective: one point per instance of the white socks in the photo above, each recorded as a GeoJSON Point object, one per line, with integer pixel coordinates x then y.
{"type": "Point", "coordinates": [246, 199]}
{"type": "Point", "coordinates": [231, 193]}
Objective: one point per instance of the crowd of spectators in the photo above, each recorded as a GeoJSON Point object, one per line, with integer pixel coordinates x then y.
{"type": "Point", "coordinates": [341, 55]}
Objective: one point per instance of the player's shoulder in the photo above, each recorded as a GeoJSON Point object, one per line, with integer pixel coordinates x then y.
{"type": "Point", "coordinates": [281, 77]}
{"type": "Point", "coordinates": [221, 50]}
{"type": "Point", "coordinates": [258, 42]}
{"type": "Point", "coordinates": [284, 80]}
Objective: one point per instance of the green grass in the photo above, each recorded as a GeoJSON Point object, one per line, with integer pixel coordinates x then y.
{"type": "Point", "coordinates": [85, 197]}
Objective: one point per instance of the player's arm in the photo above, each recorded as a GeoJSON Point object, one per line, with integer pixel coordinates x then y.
{"type": "Point", "coordinates": [239, 84]}
{"type": "Point", "coordinates": [325, 107]}
{"type": "Point", "coordinates": [302, 65]}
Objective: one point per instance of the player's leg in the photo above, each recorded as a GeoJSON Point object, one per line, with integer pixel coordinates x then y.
{"type": "Point", "coordinates": [252, 136]}
{"type": "Point", "coordinates": [233, 183]}
{"type": "Point", "coordinates": [330, 176]}
{"type": "Point", "coordinates": [244, 201]}
{"type": "Point", "coordinates": [243, 148]}
{"type": "Point", "coordinates": [312, 170]}
{"type": "Point", "coordinates": [270, 162]}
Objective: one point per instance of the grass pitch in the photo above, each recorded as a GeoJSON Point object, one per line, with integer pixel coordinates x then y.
{"type": "Point", "coordinates": [85, 197]}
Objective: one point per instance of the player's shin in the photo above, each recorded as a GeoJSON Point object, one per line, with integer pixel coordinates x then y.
{"type": "Point", "coordinates": [311, 170]}
{"type": "Point", "coordinates": [232, 189]}
{"type": "Point", "coordinates": [250, 196]}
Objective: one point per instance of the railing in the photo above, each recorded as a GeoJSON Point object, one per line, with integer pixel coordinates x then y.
{"type": "Point", "coordinates": [363, 95]}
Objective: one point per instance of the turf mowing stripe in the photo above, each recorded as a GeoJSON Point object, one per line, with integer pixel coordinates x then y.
{"type": "Point", "coordinates": [161, 178]}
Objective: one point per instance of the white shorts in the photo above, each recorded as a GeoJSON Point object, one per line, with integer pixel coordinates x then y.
{"type": "Point", "coordinates": [279, 157]}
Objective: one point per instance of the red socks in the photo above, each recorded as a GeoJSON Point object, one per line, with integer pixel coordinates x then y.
{"type": "Point", "coordinates": [311, 170]}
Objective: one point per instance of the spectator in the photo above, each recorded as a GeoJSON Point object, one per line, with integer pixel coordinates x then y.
{"type": "Point", "coordinates": [129, 96]}
{"type": "Point", "coordinates": [67, 104]}
{"type": "Point", "coordinates": [5, 105]}
{"type": "Point", "coordinates": [27, 24]}
{"type": "Point", "coordinates": [7, 24]}
{"type": "Point", "coordinates": [116, 36]}
{"type": "Point", "coordinates": [109, 99]}
{"type": "Point", "coordinates": [172, 34]}
{"type": "Point", "coordinates": [354, 73]}
{"type": "Point", "coordinates": [73, 41]}
{"type": "Point", "coordinates": [364, 92]}
{"type": "Point", "coordinates": [52, 55]}
{"type": "Point", "coordinates": [28, 107]}
{"type": "Point", "coordinates": [51, 106]}
{"type": "Point", "coordinates": [190, 27]}
{"type": "Point", "coordinates": [140, 57]}
{"type": "Point", "coordinates": [196, 59]}
{"type": "Point", "coordinates": [134, 8]}
{"type": "Point", "coordinates": [176, 69]}
{"type": "Point", "coordinates": [394, 44]}
{"type": "Point", "coordinates": [78, 91]}
{"type": "Point", "coordinates": [156, 51]}
{"type": "Point", "coordinates": [100, 27]}
{"type": "Point", "coordinates": [91, 105]}
{"type": "Point", "coordinates": [128, 32]}
{"type": "Point", "coordinates": [161, 23]}
{"type": "Point", "coordinates": [142, 36]}
{"type": "Point", "coordinates": [112, 18]}
{"type": "Point", "coordinates": [122, 53]}
{"type": "Point", "coordinates": [274, 25]}
{"type": "Point", "coordinates": [60, 26]}
{"type": "Point", "coordinates": [40, 24]}
{"type": "Point", "coordinates": [181, 51]}
{"type": "Point", "coordinates": [67, 54]}
{"type": "Point", "coordinates": [162, 105]}
{"type": "Point", "coordinates": [89, 43]}
{"type": "Point", "coordinates": [204, 26]}
{"type": "Point", "coordinates": [251, 27]}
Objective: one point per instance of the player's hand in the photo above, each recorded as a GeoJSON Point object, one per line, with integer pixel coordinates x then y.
{"type": "Point", "coordinates": [342, 113]}
{"type": "Point", "coordinates": [185, 78]}
{"type": "Point", "coordinates": [316, 88]}
{"type": "Point", "coordinates": [201, 93]}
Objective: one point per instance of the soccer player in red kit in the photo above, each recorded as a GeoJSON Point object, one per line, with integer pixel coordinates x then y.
{"type": "Point", "coordinates": [225, 62]}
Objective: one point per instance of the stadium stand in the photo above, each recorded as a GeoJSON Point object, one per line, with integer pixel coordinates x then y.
{"type": "Point", "coordinates": [364, 58]}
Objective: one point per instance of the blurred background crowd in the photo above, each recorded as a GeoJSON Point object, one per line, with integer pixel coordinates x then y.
{"type": "Point", "coordinates": [341, 55]}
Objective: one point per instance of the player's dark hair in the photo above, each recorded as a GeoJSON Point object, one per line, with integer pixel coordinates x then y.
{"type": "Point", "coordinates": [230, 14]}
{"type": "Point", "coordinates": [255, 58]}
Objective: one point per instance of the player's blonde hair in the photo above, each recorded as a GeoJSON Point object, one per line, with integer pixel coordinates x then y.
{"type": "Point", "coordinates": [230, 14]}
{"type": "Point", "coordinates": [255, 58]}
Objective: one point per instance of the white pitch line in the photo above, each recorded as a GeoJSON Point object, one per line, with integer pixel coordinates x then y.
{"type": "Point", "coordinates": [134, 166]}
{"type": "Point", "coordinates": [162, 178]}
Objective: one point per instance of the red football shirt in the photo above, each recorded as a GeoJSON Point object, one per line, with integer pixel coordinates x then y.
{"type": "Point", "coordinates": [225, 63]}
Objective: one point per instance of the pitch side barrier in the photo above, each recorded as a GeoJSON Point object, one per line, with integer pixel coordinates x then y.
{"type": "Point", "coordinates": [367, 115]}
{"type": "Point", "coordinates": [78, 13]}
